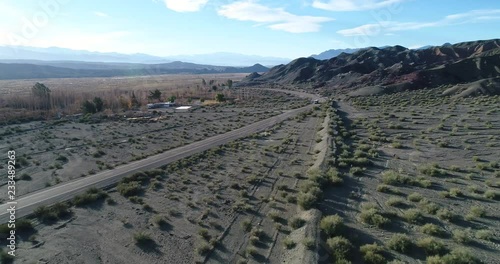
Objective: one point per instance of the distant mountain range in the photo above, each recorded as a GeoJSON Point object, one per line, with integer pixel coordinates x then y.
{"type": "Point", "coordinates": [62, 54]}
{"type": "Point", "coordinates": [326, 55]}
{"type": "Point", "coordinates": [390, 69]}
{"type": "Point", "coordinates": [31, 69]}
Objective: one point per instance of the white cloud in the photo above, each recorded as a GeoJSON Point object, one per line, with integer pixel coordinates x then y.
{"type": "Point", "coordinates": [100, 14]}
{"type": "Point", "coordinates": [389, 27]}
{"type": "Point", "coordinates": [274, 18]}
{"type": "Point", "coordinates": [185, 5]}
{"type": "Point", "coordinates": [352, 5]}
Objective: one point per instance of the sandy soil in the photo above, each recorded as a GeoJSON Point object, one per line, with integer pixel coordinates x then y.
{"type": "Point", "coordinates": [216, 192]}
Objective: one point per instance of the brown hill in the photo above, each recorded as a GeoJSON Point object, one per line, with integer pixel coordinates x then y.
{"type": "Point", "coordinates": [376, 70]}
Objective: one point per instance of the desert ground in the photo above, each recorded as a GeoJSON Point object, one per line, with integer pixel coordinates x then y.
{"type": "Point", "coordinates": [409, 177]}
{"type": "Point", "coordinates": [212, 199]}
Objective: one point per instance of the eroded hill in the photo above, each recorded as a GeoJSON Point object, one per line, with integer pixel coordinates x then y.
{"type": "Point", "coordinates": [382, 70]}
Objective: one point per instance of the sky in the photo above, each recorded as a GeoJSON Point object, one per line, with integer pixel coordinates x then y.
{"type": "Point", "coordinates": [277, 28]}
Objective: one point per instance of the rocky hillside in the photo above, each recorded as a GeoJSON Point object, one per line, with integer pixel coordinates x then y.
{"type": "Point", "coordinates": [375, 70]}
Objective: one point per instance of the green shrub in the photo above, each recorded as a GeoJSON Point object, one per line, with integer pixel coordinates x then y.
{"type": "Point", "coordinates": [484, 234]}
{"type": "Point", "coordinates": [246, 225]}
{"type": "Point", "coordinates": [477, 211]}
{"type": "Point", "coordinates": [55, 212]}
{"type": "Point", "coordinates": [395, 201]}
{"type": "Point", "coordinates": [492, 195]}
{"type": "Point", "coordinates": [400, 243]}
{"type": "Point", "coordinates": [274, 215]}
{"type": "Point", "coordinates": [203, 249]}
{"type": "Point", "coordinates": [296, 222]}
{"type": "Point", "coordinates": [415, 197]}
{"type": "Point", "coordinates": [413, 216]}
{"type": "Point", "coordinates": [432, 170]}
{"type": "Point", "coordinates": [309, 243]}
{"type": "Point", "coordinates": [317, 176]}
{"type": "Point", "coordinates": [461, 236]}
{"type": "Point", "coordinates": [393, 178]}
{"type": "Point", "coordinates": [288, 243]}
{"type": "Point", "coordinates": [307, 200]}
{"type": "Point", "coordinates": [332, 225]}
{"type": "Point", "coordinates": [251, 251]}
{"type": "Point", "coordinates": [428, 206]}
{"type": "Point", "coordinates": [432, 229]}
{"type": "Point", "coordinates": [142, 238]}
{"type": "Point", "coordinates": [340, 247]}
{"type": "Point", "coordinates": [373, 217]}
{"type": "Point", "coordinates": [203, 233]}
{"type": "Point", "coordinates": [445, 214]}
{"type": "Point", "coordinates": [356, 171]}
{"type": "Point", "coordinates": [24, 225]}
{"type": "Point", "coordinates": [455, 192]}
{"type": "Point", "coordinates": [129, 188]}
{"type": "Point", "coordinates": [457, 256]}
{"type": "Point", "coordinates": [257, 232]}
{"type": "Point", "coordinates": [384, 188]}
{"type": "Point", "coordinates": [334, 176]}
{"type": "Point", "coordinates": [92, 195]}
{"type": "Point", "coordinates": [159, 221]}
{"type": "Point", "coordinates": [431, 246]}
{"type": "Point", "coordinates": [372, 254]}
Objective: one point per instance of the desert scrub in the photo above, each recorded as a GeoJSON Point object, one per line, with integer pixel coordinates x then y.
{"type": "Point", "coordinates": [203, 248]}
{"type": "Point", "coordinates": [296, 222]}
{"type": "Point", "coordinates": [371, 215]}
{"type": "Point", "coordinates": [432, 170]}
{"type": "Point", "coordinates": [334, 177]}
{"type": "Point", "coordinates": [53, 213]}
{"type": "Point", "coordinates": [90, 196]}
{"type": "Point", "coordinates": [455, 192]}
{"type": "Point", "coordinates": [476, 211]}
{"type": "Point", "coordinates": [413, 216]}
{"type": "Point", "coordinates": [251, 251]}
{"type": "Point", "coordinates": [372, 254]}
{"type": "Point", "coordinates": [462, 236]}
{"type": "Point", "coordinates": [415, 197]}
{"type": "Point", "coordinates": [428, 206]}
{"type": "Point", "coordinates": [393, 178]}
{"type": "Point", "coordinates": [432, 229]}
{"type": "Point", "coordinates": [400, 243]}
{"type": "Point", "coordinates": [274, 215]}
{"type": "Point", "coordinates": [246, 225]}
{"type": "Point", "coordinates": [339, 247]}
{"type": "Point", "coordinates": [288, 243]}
{"type": "Point", "coordinates": [484, 234]}
{"type": "Point", "coordinates": [332, 225]}
{"type": "Point", "coordinates": [129, 188]}
{"type": "Point", "coordinates": [203, 233]}
{"type": "Point", "coordinates": [306, 200]}
{"type": "Point", "coordinates": [431, 246]}
{"type": "Point", "coordinates": [491, 194]}
{"type": "Point", "coordinates": [159, 221]}
{"type": "Point", "coordinates": [395, 201]}
{"type": "Point", "coordinates": [142, 238]}
{"type": "Point", "coordinates": [456, 256]}
{"type": "Point", "coordinates": [309, 243]}
{"type": "Point", "coordinates": [445, 214]}
{"type": "Point", "coordinates": [384, 188]}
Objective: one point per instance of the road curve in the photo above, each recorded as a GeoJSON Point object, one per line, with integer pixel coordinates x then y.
{"type": "Point", "coordinates": [65, 191]}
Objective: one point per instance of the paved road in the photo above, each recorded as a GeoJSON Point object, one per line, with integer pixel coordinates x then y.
{"type": "Point", "coordinates": [65, 191]}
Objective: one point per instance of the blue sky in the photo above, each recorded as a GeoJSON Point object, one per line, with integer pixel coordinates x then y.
{"type": "Point", "coordinates": [278, 28]}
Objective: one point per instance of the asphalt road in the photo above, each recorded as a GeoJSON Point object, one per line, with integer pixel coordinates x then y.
{"type": "Point", "coordinates": [65, 191]}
